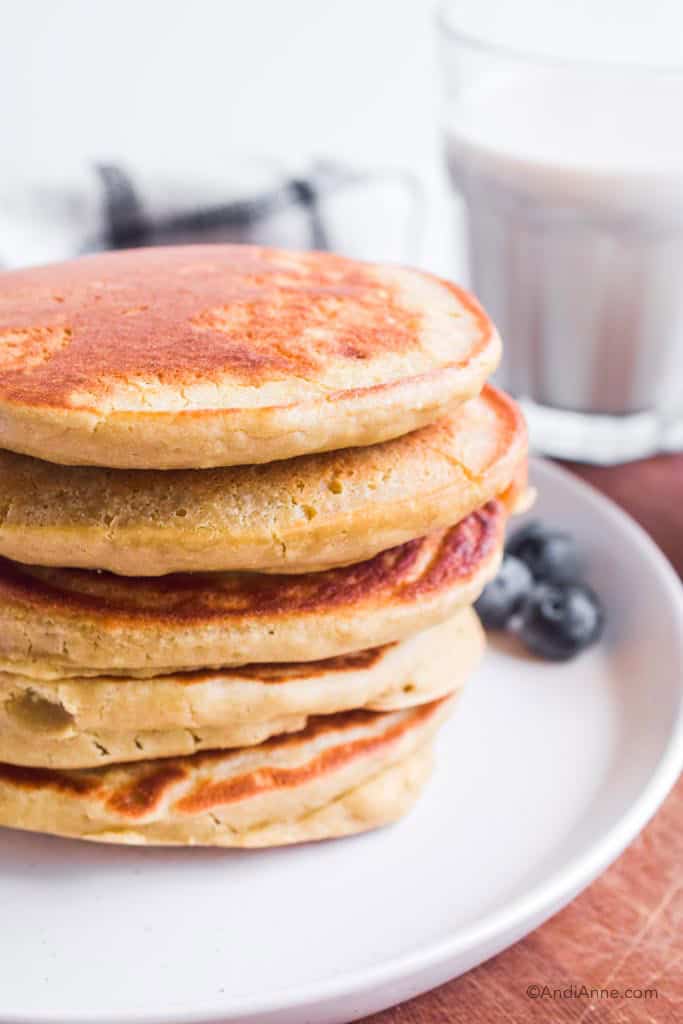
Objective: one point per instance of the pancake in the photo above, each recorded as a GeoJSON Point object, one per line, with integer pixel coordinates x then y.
{"type": "Point", "coordinates": [343, 773]}
{"type": "Point", "coordinates": [71, 622]}
{"type": "Point", "coordinates": [218, 355]}
{"type": "Point", "coordinates": [304, 515]}
{"type": "Point", "coordinates": [82, 723]}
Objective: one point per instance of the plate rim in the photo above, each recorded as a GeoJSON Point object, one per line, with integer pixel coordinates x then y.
{"type": "Point", "coordinates": [536, 905]}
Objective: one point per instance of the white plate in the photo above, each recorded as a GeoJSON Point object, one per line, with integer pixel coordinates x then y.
{"type": "Point", "coordinates": [545, 774]}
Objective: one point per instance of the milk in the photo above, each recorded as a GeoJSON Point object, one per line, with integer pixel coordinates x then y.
{"type": "Point", "coordinates": [572, 177]}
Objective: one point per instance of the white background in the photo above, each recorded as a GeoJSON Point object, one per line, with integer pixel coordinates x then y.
{"type": "Point", "coordinates": [171, 80]}
{"type": "Point", "coordinates": [177, 84]}
{"type": "Point", "coordinates": [167, 83]}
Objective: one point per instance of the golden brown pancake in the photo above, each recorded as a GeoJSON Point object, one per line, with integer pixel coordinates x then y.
{"type": "Point", "coordinates": [70, 622]}
{"type": "Point", "coordinates": [83, 723]}
{"type": "Point", "coordinates": [343, 773]}
{"type": "Point", "coordinates": [300, 515]}
{"type": "Point", "coordinates": [201, 356]}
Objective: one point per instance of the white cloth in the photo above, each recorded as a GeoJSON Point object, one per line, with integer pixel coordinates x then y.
{"type": "Point", "coordinates": [364, 214]}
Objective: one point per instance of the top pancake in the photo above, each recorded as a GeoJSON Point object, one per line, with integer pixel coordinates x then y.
{"type": "Point", "coordinates": [201, 356]}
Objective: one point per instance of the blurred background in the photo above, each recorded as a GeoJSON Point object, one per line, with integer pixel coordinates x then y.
{"type": "Point", "coordinates": [223, 95]}
{"type": "Point", "coordinates": [317, 123]}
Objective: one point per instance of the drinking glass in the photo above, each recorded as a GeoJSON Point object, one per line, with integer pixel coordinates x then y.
{"type": "Point", "coordinates": [561, 135]}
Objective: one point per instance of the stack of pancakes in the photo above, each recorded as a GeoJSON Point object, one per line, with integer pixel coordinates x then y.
{"type": "Point", "coordinates": [247, 500]}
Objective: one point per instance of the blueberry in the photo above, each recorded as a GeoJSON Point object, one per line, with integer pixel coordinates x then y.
{"type": "Point", "coordinates": [559, 620]}
{"type": "Point", "coordinates": [551, 555]}
{"type": "Point", "coordinates": [505, 594]}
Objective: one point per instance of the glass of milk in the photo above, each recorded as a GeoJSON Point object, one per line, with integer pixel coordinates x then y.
{"type": "Point", "coordinates": [564, 137]}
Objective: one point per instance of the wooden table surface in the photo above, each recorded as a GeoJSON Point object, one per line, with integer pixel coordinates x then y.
{"type": "Point", "coordinates": [625, 930]}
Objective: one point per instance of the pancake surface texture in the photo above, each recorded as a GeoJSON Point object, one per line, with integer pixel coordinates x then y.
{"type": "Point", "coordinates": [70, 622]}
{"type": "Point", "coordinates": [200, 356]}
{"type": "Point", "coordinates": [342, 774]}
{"type": "Point", "coordinates": [309, 514]}
{"type": "Point", "coordinates": [83, 723]}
